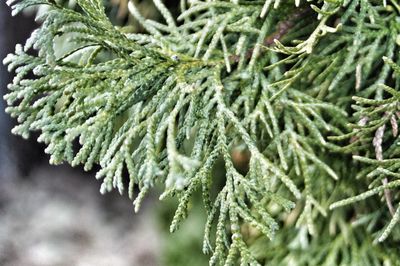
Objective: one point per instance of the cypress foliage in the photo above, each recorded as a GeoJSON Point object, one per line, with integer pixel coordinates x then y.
{"type": "Point", "coordinates": [297, 101]}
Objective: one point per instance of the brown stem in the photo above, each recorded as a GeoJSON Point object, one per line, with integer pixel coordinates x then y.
{"type": "Point", "coordinates": [282, 29]}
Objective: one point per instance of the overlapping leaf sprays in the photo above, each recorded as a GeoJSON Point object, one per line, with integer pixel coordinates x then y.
{"type": "Point", "coordinates": [274, 78]}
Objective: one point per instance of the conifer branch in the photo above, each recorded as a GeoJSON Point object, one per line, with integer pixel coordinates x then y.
{"type": "Point", "coordinates": [168, 106]}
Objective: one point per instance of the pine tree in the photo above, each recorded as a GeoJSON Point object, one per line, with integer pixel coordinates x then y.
{"type": "Point", "coordinates": [296, 102]}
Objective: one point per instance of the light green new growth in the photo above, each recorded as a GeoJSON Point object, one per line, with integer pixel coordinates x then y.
{"type": "Point", "coordinates": [274, 78]}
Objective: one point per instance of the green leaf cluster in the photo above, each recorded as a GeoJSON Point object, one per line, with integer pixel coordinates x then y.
{"type": "Point", "coordinates": [279, 94]}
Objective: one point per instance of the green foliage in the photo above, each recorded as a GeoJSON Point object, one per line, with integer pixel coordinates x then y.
{"type": "Point", "coordinates": [267, 83]}
{"type": "Point", "coordinates": [184, 246]}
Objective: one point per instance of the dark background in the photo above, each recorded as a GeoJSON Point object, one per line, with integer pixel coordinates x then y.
{"type": "Point", "coordinates": [15, 156]}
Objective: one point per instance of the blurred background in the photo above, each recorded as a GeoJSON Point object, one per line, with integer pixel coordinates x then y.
{"type": "Point", "coordinates": [55, 215]}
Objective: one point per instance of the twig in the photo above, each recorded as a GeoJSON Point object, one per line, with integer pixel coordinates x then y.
{"type": "Point", "coordinates": [282, 29]}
